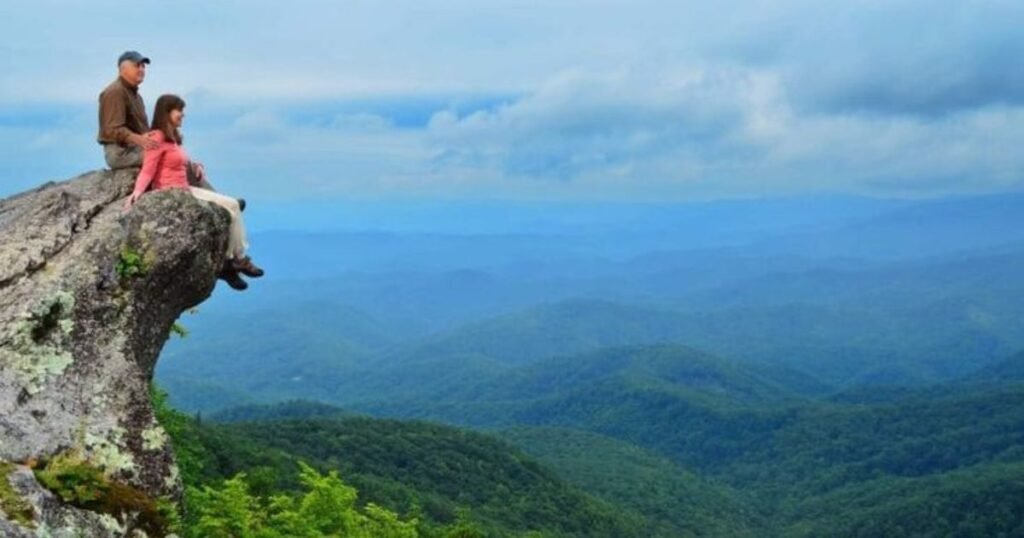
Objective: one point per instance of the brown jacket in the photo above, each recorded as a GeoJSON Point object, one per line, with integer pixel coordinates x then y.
{"type": "Point", "coordinates": [122, 113]}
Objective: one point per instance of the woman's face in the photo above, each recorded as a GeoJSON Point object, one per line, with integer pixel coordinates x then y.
{"type": "Point", "coordinates": [177, 117]}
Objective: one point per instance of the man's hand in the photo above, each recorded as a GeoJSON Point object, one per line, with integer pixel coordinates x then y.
{"type": "Point", "coordinates": [144, 141]}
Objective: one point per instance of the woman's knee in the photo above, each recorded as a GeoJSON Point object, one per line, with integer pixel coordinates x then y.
{"type": "Point", "coordinates": [231, 205]}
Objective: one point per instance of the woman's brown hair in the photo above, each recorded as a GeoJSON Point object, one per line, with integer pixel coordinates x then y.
{"type": "Point", "coordinates": [162, 117]}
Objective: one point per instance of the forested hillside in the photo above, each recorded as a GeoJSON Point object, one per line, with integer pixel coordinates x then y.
{"type": "Point", "coordinates": [444, 479]}
{"type": "Point", "coordinates": [662, 462]}
{"type": "Point", "coordinates": [849, 369]}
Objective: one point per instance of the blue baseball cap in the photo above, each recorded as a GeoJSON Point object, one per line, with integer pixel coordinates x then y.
{"type": "Point", "coordinates": [134, 56]}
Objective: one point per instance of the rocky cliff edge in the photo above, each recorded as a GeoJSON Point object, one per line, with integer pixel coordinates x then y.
{"type": "Point", "coordinates": [88, 296]}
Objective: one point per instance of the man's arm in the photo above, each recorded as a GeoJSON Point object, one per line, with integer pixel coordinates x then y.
{"type": "Point", "coordinates": [113, 111]}
{"type": "Point", "coordinates": [112, 119]}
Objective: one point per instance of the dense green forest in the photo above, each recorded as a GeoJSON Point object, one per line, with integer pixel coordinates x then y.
{"type": "Point", "coordinates": [814, 368]}
{"type": "Point", "coordinates": [652, 462]}
{"type": "Point", "coordinates": [674, 500]}
{"type": "Point", "coordinates": [440, 480]}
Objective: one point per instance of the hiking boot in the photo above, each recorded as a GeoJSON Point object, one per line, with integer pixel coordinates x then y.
{"type": "Point", "coordinates": [246, 267]}
{"type": "Point", "coordinates": [241, 204]}
{"type": "Point", "coordinates": [233, 279]}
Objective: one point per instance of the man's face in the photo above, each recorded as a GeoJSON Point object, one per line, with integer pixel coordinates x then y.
{"type": "Point", "coordinates": [133, 72]}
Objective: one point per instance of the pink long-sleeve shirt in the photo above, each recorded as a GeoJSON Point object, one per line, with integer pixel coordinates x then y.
{"type": "Point", "coordinates": [163, 167]}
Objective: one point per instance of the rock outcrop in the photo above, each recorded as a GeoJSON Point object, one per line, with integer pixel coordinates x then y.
{"type": "Point", "coordinates": [88, 296]}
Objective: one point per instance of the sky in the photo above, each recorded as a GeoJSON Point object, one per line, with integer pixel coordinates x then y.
{"type": "Point", "coordinates": [555, 100]}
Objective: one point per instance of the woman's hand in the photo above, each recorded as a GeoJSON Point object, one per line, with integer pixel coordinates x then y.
{"type": "Point", "coordinates": [131, 200]}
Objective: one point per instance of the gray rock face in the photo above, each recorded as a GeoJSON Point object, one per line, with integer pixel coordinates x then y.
{"type": "Point", "coordinates": [88, 294]}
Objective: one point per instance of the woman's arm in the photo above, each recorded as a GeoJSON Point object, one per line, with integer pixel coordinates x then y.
{"type": "Point", "coordinates": [150, 163]}
{"type": "Point", "coordinates": [197, 176]}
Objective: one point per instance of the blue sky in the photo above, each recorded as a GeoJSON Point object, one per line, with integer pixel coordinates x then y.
{"type": "Point", "coordinates": [537, 100]}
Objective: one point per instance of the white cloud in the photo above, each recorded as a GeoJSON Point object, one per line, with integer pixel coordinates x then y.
{"type": "Point", "coordinates": [578, 121]}
{"type": "Point", "coordinates": [605, 98]}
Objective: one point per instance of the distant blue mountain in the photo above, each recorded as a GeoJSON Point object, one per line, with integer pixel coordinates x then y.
{"type": "Point", "coordinates": [1006, 371]}
{"type": "Point", "coordinates": [817, 293]}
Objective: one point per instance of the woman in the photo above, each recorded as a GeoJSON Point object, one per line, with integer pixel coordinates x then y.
{"type": "Point", "coordinates": [165, 168]}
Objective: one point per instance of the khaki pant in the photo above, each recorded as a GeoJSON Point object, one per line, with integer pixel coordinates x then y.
{"type": "Point", "coordinates": [237, 243]}
{"type": "Point", "coordinates": [118, 156]}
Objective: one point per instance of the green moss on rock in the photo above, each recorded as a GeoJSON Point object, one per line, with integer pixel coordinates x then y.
{"type": "Point", "coordinates": [130, 263]}
{"type": "Point", "coordinates": [80, 483]}
{"type": "Point", "coordinates": [12, 505]}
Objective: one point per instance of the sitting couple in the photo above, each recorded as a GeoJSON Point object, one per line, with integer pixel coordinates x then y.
{"type": "Point", "coordinates": [129, 142]}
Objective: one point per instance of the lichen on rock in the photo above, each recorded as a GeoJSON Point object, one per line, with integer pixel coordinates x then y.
{"type": "Point", "coordinates": [154, 438]}
{"type": "Point", "coordinates": [37, 348]}
{"type": "Point", "coordinates": [106, 452]}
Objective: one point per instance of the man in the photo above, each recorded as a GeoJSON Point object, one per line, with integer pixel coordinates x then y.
{"type": "Point", "coordinates": [123, 122]}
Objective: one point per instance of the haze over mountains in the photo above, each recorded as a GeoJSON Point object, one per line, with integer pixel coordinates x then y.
{"type": "Point", "coordinates": [843, 292]}
{"type": "Point", "coordinates": [765, 358]}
